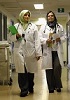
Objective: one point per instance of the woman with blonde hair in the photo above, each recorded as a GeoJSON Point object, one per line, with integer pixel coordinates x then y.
{"type": "Point", "coordinates": [28, 52]}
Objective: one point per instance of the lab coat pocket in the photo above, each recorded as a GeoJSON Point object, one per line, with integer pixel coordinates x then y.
{"type": "Point", "coordinates": [31, 64]}
{"type": "Point", "coordinates": [46, 61]}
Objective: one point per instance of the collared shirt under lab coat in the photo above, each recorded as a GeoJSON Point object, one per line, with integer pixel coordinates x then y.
{"type": "Point", "coordinates": [29, 49]}
{"type": "Point", "coordinates": [44, 32]}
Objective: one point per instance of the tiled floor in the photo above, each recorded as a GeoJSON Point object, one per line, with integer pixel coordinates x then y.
{"type": "Point", "coordinates": [40, 89]}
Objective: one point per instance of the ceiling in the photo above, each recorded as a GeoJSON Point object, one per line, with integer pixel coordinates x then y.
{"type": "Point", "coordinates": [15, 6]}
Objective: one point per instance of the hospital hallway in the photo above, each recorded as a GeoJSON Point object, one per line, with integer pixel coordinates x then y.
{"type": "Point", "coordinates": [40, 89]}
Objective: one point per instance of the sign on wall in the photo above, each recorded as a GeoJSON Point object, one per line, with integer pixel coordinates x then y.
{"type": "Point", "coordinates": [61, 10]}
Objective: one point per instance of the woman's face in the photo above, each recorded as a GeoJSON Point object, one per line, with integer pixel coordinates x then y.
{"type": "Point", "coordinates": [50, 17]}
{"type": "Point", "coordinates": [26, 17]}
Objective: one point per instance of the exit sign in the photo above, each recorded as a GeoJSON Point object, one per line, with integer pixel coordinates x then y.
{"type": "Point", "coordinates": [60, 10]}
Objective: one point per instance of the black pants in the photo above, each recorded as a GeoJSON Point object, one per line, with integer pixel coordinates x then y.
{"type": "Point", "coordinates": [26, 81]}
{"type": "Point", "coordinates": [53, 76]}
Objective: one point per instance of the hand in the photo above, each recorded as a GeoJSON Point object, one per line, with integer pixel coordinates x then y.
{"type": "Point", "coordinates": [38, 58]}
{"type": "Point", "coordinates": [18, 36]}
{"type": "Point", "coordinates": [49, 42]}
{"type": "Point", "coordinates": [58, 40]}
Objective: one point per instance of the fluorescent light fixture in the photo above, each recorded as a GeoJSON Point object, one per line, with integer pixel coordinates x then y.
{"type": "Point", "coordinates": [38, 6]}
{"type": "Point", "coordinates": [40, 21]}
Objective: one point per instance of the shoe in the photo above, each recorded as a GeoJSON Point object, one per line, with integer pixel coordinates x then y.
{"type": "Point", "coordinates": [31, 91]}
{"type": "Point", "coordinates": [58, 90]}
{"type": "Point", "coordinates": [51, 91]}
{"type": "Point", "coordinates": [23, 94]}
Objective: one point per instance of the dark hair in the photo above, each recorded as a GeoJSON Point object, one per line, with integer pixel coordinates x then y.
{"type": "Point", "coordinates": [52, 24]}
{"type": "Point", "coordinates": [55, 19]}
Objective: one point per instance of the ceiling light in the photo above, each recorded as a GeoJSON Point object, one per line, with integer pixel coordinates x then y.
{"type": "Point", "coordinates": [40, 21]}
{"type": "Point", "coordinates": [38, 6]}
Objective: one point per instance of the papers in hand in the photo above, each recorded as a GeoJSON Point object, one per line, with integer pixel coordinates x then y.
{"type": "Point", "coordinates": [53, 37]}
{"type": "Point", "coordinates": [13, 30]}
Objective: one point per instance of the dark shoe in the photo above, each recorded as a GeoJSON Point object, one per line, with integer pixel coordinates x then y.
{"type": "Point", "coordinates": [23, 94]}
{"type": "Point", "coordinates": [51, 91]}
{"type": "Point", "coordinates": [31, 91]}
{"type": "Point", "coordinates": [58, 90]}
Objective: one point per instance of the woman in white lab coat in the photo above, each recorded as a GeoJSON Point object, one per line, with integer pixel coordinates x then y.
{"type": "Point", "coordinates": [52, 36]}
{"type": "Point", "coordinates": [28, 53]}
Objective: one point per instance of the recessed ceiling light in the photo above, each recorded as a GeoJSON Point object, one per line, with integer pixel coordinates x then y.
{"type": "Point", "coordinates": [40, 21]}
{"type": "Point", "coordinates": [38, 6]}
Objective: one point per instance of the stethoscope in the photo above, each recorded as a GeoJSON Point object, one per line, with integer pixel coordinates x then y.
{"type": "Point", "coordinates": [58, 26]}
{"type": "Point", "coordinates": [28, 28]}
{"type": "Point", "coordinates": [29, 25]}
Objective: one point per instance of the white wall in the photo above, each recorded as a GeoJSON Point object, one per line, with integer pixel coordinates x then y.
{"type": "Point", "coordinates": [9, 16]}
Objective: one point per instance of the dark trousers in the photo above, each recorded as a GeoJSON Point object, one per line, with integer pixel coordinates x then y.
{"type": "Point", "coordinates": [53, 76]}
{"type": "Point", "coordinates": [26, 81]}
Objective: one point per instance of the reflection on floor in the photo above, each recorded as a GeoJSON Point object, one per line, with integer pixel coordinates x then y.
{"type": "Point", "coordinates": [40, 89]}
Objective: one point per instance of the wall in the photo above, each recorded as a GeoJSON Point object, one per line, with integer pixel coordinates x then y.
{"type": "Point", "coordinates": [4, 33]}
{"type": "Point", "coordinates": [9, 16]}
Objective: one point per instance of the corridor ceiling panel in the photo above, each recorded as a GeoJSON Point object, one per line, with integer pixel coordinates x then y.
{"type": "Point", "coordinates": [15, 6]}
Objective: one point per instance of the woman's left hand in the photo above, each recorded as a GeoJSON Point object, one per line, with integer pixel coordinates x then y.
{"type": "Point", "coordinates": [58, 39]}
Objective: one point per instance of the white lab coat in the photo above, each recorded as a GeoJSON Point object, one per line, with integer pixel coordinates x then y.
{"type": "Point", "coordinates": [44, 32]}
{"type": "Point", "coordinates": [27, 51]}
{"type": "Point", "coordinates": [31, 48]}
{"type": "Point", "coordinates": [18, 59]}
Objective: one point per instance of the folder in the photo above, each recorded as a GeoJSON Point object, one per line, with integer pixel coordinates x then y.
{"type": "Point", "coordinates": [13, 30]}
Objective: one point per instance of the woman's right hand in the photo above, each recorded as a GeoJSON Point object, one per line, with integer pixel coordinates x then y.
{"type": "Point", "coordinates": [49, 42]}
{"type": "Point", "coordinates": [18, 36]}
{"type": "Point", "coordinates": [58, 39]}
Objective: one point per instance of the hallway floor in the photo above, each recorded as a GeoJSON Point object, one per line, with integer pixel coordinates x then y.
{"type": "Point", "coordinates": [40, 89]}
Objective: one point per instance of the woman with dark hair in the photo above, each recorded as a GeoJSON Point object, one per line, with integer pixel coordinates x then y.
{"type": "Point", "coordinates": [52, 36]}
